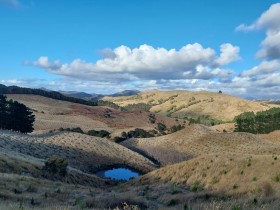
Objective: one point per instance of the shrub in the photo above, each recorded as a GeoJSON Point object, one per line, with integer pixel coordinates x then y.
{"type": "Point", "coordinates": [139, 133]}
{"type": "Point", "coordinates": [152, 118]}
{"type": "Point", "coordinates": [139, 106]}
{"type": "Point", "coordinates": [161, 127]}
{"type": "Point", "coordinates": [235, 186]}
{"type": "Point", "coordinates": [214, 180]}
{"type": "Point", "coordinates": [124, 135]}
{"type": "Point", "coordinates": [236, 207]}
{"type": "Point", "coordinates": [101, 133]}
{"type": "Point", "coordinates": [77, 130]}
{"type": "Point", "coordinates": [55, 168]}
{"type": "Point", "coordinates": [118, 139]}
{"type": "Point", "coordinates": [176, 128]}
{"type": "Point", "coordinates": [276, 178]}
{"type": "Point", "coordinates": [172, 202]}
{"type": "Point", "coordinates": [196, 186]}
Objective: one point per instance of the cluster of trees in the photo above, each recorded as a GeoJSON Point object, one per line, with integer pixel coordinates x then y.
{"type": "Point", "coordinates": [139, 106]}
{"type": "Point", "coordinates": [176, 128]}
{"type": "Point", "coordinates": [261, 122]}
{"type": "Point", "coordinates": [141, 133]}
{"type": "Point", "coordinates": [56, 95]}
{"type": "Point", "coordinates": [205, 120]}
{"type": "Point", "coordinates": [15, 116]}
{"type": "Point", "coordinates": [136, 133]}
{"type": "Point", "coordinates": [100, 133]}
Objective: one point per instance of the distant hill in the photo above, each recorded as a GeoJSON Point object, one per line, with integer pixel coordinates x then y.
{"type": "Point", "coordinates": [54, 114]}
{"type": "Point", "coordinates": [93, 96]}
{"type": "Point", "coordinates": [3, 86]}
{"type": "Point", "coordinates": [192, 104]}
{"type": "Point", "coordinates": [75, 94]}
{"type": "Point", "coordinates": [54, 95]}
{"type": "Point", "coordinates": [126, 93]}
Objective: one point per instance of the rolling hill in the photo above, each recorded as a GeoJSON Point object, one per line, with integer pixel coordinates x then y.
{"type": "Point", "coordinates": [198, 140]}
{"type": "Point", "coordinates": [198, 167]}
{"type": "Point", "coordinates": [52, 114]}
{"type": "Point", "coordinates": [181, 103]}
{"type": "Point", "coordinates": [83, 152]}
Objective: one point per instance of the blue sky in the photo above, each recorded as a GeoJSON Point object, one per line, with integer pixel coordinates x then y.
{"type": "Point", "coordinates": [104, 46]}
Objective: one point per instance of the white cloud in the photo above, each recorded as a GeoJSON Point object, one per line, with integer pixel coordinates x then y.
{"type": "Point", "coordinates": [245, 28]}
{"type": "Point", "coordinates": [229, 53]}
{"type": "Point", "coordinates": [265, 67]}
{"type": "Point", "coordinates": [270, 22]}
{"type": "Point", "coordinates": [263, 80]}
{"type": "Point", "coordinates": [44, 62]}
{"type": "Point", "coordinates": [146, 63]}
{"type": "Point", "coordinates": [270, 46]}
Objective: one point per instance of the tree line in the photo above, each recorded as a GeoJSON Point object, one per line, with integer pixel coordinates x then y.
{"type": "Point", "coordinates": [15, 116]}
{"type": "Point", "coordinates": [56, 95]}
{"type": "Point", "coordinates": [261, 122]}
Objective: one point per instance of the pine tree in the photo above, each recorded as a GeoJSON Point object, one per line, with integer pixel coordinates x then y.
{"type": "Point", "coordinates": [3, 112]}
{"type": "Point", "coordinates": [15, 116]}
{"type": "Point", "coordinates": [22, 117]}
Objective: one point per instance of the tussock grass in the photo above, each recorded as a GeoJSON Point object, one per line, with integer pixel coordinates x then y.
{"type": "Point", "coordinates": [183, 103]}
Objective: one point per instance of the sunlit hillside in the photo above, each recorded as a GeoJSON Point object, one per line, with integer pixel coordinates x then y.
{"type": "Point", "coordinates": [181, 103]}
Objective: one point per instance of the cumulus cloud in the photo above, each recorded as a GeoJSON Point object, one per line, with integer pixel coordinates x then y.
{"type": "Point", "coordinates": [263, 80]}
{"type": "Point", "coordinates": [264, 68]}
{"type": "Point", "coordinates": [192, 61]}
{"type": "Point", "coordinates": [44, 62]}
{"type": "Point", "coordinates": [268, 21]}
{"type": "Point", "coordinates": [229, 53]}
{"type": "Point", "coordinates": [270, 46]}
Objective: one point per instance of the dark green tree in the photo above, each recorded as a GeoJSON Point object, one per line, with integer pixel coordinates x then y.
{"type": "Point", "coordinates": [21, 117]}
{"type": "Point", "coordinates": [3, 112]}
{"type": "Point", "coordinates": [15, 116]}
{"type": "Point", "coordinates": [261, 122]}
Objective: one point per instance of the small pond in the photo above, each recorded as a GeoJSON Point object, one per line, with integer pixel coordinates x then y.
{"type": "Point", "coordinates": [118, 173]}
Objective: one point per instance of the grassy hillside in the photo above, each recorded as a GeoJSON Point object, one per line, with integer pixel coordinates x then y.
{"type": "Point", "coordinates": [222, 171]}
{"type": "Point", "coordinates": [181, 103]}
{"type": "Point", "coordinates": [52, 114]}
{"type": "Point", "coordinates": [197, 140]}
{"type": "Point", "coordinates": [83, 152]}
{"type": "Point", "coordinates": [200, 167]}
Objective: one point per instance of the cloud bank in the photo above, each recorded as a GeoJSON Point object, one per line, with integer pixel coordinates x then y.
{"type": "Point", "coordinates": [192, 61]}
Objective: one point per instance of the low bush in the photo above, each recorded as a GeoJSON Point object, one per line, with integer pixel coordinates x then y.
{"type": "Point", "coordinates": [101, 133]}
{"type": "Point", "coordinates": [55, 168]}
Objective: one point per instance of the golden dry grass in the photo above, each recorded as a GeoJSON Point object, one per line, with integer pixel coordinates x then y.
{"type": "Point", "coordinates": [274, 136]}
{"type": "Point", "coordinates": [202, 167]}
{"type": "Point", "coordinates": [52, 114]}
{"type": "Point", "coordinates": [196, 140]}
{"type": "Point", "coordinates": [225, 127]}
{"type": "Point", "coordinates": [234, 165]}
{"type": "Point", "coordinates": [83, 152]}
{"type": "Point", "coordinates": [219, 106]}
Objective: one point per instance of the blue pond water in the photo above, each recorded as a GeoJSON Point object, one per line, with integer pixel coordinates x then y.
{"type": "Point", "coordinates": [118, 174]}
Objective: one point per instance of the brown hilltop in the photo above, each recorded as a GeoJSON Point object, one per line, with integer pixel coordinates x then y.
{"type": "Point", "coordinates": [53, 114]}
{"type": "Point", "coordinates": [181, 103]}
